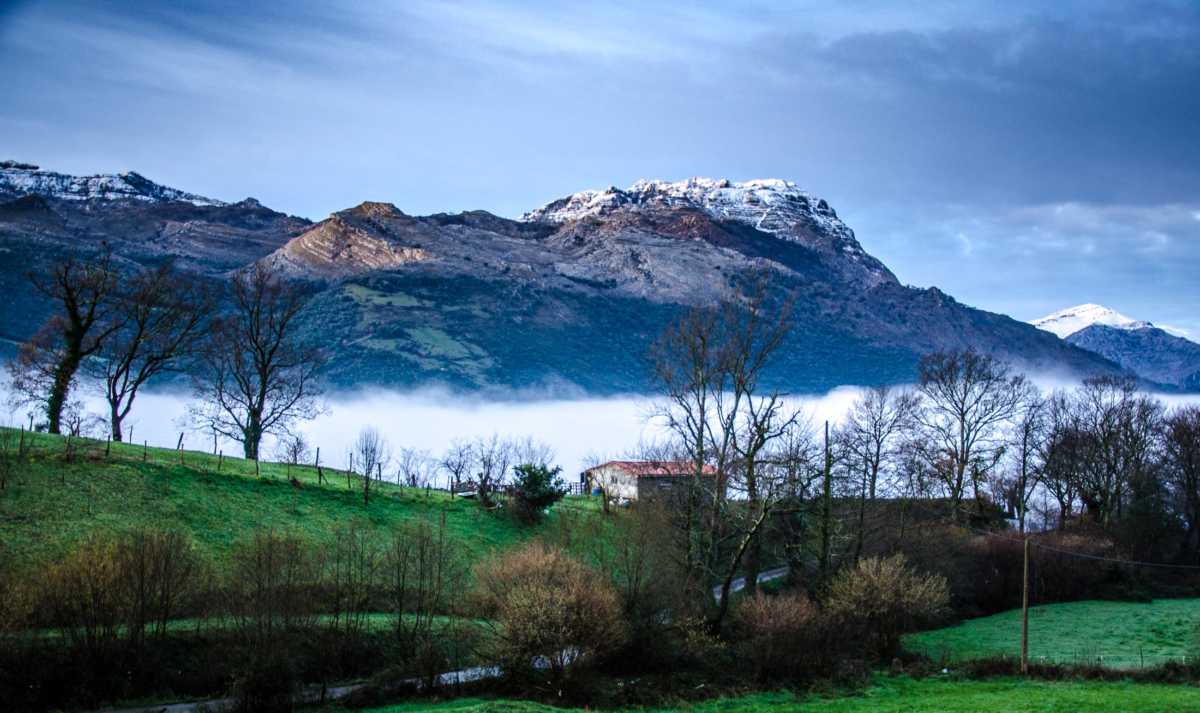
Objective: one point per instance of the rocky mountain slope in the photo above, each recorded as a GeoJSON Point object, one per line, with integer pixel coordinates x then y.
{"type": "Point", "coordinates": [571, 295]}
{"type": "Point", "coordinates": [1137, 345]}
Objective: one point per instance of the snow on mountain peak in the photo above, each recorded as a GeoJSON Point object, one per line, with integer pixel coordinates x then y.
{"type": "Point", "coordinates": [21, 179]}
{"type": "Point", "coordinates": [771, 205]}
{"type": "Point", "coordinates": [766, 203]}
{"type": "Point", "coordinates": [1068, 321]}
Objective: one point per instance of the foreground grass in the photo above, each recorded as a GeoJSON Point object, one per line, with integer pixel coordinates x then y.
{"type": "Point", "coordinates": [897, 695]}
{"type": "Point", "coordinates": [53, 501]}
{"type": "Point", "coordinates": [1116, 634]}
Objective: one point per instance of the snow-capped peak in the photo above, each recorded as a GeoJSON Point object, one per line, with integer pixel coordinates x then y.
{"type": "Point", "coordinates": [1068, 321]}
{"type": "Point", "coordinates": [21, 179]}
{"type": "Point", "coordinates": [771, 205]}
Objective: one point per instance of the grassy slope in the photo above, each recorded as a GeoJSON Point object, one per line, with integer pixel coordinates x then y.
{"type": "Point", "coordinates": [52, 503]}
{"type": "Point", "coordinates": [1125, 634]}
{"type": "Point", "coordinates": [897, 695]}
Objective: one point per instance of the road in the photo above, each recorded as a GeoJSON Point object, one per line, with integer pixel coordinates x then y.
{"type": "Point", "coordinates": [740, 583]}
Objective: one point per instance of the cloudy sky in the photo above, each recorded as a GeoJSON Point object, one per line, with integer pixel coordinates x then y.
{"type": "Point", "coordinates": [1021, 157]}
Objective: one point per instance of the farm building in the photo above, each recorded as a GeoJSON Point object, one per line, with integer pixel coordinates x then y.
{"type": "Point", "coordinates": [639, 480]}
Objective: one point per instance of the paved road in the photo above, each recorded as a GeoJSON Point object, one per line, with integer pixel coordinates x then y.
{"type": "Point", "coordinates": [740, 583]}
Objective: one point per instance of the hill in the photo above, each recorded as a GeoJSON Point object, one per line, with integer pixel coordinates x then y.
{"type": "Point", "coordinates": [53, 498]}
{"type": "Point", "coordinates": [570, 295]}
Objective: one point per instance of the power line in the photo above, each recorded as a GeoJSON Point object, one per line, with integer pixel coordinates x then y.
{"type": "Point", "coordinates": [1083, 555]}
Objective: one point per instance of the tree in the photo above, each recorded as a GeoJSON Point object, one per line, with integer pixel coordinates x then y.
{"type": "Point", "coordinates": [492, 456]}
{"type": "Point", "coordinates": [967, 399]}
{"type": "Point", "coordinates": [1183, 467]}
{"type": "Point", "coordinates": [536, 488]}
{"type": "Point", "coordinates": [372, 453]}
{"type": "Point", "coordinates": [413, 467]}
{"type": "Point", "coordinates": [456, 462]}
{"type": "Point", "coordinates": [869, 438]}
{"type": "Point", "coordinates": [709, 364]}
{"type": "Point", "coordinates": [293, 450]}
{"type": "Point", "coordinates": [1026, 446]}
{"type": "Point", "coordinates": [258, 376]}
{"type": "Point", "coordinates": [1118, 430]}
{"type": "Point", "coordinates": [163, 317]}
{"type": "Point", "coordinates": [83, 295]}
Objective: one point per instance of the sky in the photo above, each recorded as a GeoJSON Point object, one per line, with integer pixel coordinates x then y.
{"type": "Point", "coordinates": [1023, 157]}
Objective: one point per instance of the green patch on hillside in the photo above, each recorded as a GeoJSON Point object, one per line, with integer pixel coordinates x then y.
{"type": "Point", "coordinates": [1116, 634]}
{"type": "Point", "coordinates": [437, 343]}
{"type": "Point", "coordinates": [54, 500]}
{"type": "Point", "coordinates": [904, 695]}
{"type": "Point", "coordinates": [366, 296]}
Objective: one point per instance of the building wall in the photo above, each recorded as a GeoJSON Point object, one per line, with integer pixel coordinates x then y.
{"type": "Point", "coordinates": [617, 482]}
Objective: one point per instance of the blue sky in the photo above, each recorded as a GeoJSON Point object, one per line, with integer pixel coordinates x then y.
{"type": "Point", "coordinates": [1022, 157]}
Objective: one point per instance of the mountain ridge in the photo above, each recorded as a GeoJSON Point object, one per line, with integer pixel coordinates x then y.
{"type": "Point", "coordinates": [572, 293]}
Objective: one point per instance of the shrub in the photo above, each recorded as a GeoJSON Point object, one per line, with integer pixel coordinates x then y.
{"type": "Point", "coordinates": [81, 594]}
{"type": "Point", "coordinates": [547, 611]}
{"type": "Point", "coordinates": [779, 636]}
{"type": "Point", "coordinates": [159, 573]}
{"type": "Point", "coordinates": [880, 599]}
{"type": "Point", "coordinates": [268, 684]}
{"type": "Point", "coordinates": [272, 587]}
{"type": "Point", "coordinates": [537, 487]}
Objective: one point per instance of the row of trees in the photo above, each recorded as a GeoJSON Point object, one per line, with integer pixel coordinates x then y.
{"type": "Point", "coordinates": [973, 436]}
{"type": "Point", "coordinates": [125, 327]}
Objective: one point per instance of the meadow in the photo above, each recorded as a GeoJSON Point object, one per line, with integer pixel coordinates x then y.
{"type": "Point", "coordinates": [901, 695]}
{"type": "Point", "coordinates": [1113, 634]}
{"type": "Point", "coordinates": [54, 498]}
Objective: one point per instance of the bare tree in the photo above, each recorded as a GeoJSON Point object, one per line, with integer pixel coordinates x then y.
{"type": "Point", "coordinates": [456, 462]}
{"type": "Point", "coordinates": [1027, 438]}
{"type": "Point", "coordinates": [258, 376]}
{"type": "Point", "coordinates": [869, 438]}
{"type": "Point", "coordinates": [414, 467]}
{"type": "Point", "coordinates": [1183, 467]}
{"type": "Point", "coordinates": [372, 453]}
{"type": "Point", "coordinates": [1119, 430]}
{"type": "Point", "coordinates": [293, 449]}
{"type": "Point", "coordinates": [163, 316]}
{"type": "Point", "coordinates": [968, 398]}
{"type": "Point", "coordinates": [84, 318]}
{"type": "Point", "coordinates": [708, 364]}
{"type": "Point", "coordinates": [492, 457]}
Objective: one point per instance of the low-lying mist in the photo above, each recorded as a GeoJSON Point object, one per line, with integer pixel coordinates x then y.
{"type": "Point", "coordinates": [581, 431]}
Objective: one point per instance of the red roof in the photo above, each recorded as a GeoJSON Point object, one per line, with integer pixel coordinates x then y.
{"type": "Point", "coordinates": [655, 468]}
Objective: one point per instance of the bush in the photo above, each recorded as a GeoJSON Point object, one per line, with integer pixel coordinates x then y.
{"type": "Point", "coordinates": [779, 636]}
{"type": "Point", "coordinates": [880, 599]}
{"type": "Point", "coordinates": [268, 685]}
{"type": "Point", "coordinates": [273, 585]}
{"type": "Point", "coordinates": [81, 594]}
{"type": "Point", "coordinates": [536, 488]}
{"type": "Point", "coordinates": [548, 613]}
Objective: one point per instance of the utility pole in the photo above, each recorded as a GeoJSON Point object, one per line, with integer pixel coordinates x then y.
{"type": "Point", "coordinates": [826, 507]}
{"type": "Point", "coordinates": [1025, 614]}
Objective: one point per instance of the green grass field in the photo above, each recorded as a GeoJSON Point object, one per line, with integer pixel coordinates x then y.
{"type": "Point", "coordinates": [904, 695]}
{"type": "Point", "coordinates": [1117, 634]}
{"type": "Point", "coordinates": [51, 502]}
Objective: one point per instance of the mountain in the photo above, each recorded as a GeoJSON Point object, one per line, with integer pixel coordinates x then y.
{"type": "Point", "coordinates": [569, 296]}
{"type": "Point", "coordinates": [1149, 352]}
{"type": "Point", "coordinates": [1137, 345]}
{"type": "Point", "coordinates": [1068, 321]}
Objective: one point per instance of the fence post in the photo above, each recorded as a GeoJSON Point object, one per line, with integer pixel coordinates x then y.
{"type": "Point", "coordinates": [21, 443]}
{"type": "Point", "coordinates": [107, 446]}
{"type": "Point", "coordinates": [317, 465]}
{"type": "Point", "coordinates": [145, 450]}
{"type": "Point", "coordinates": [220, 457]}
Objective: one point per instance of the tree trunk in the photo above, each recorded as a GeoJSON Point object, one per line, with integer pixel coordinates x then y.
{"type": "Point", "coordinates": [64, 374]}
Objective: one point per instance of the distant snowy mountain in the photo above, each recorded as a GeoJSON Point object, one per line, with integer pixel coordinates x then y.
{"type": "Point", "coordinates": [18, 179]}
{"type": "Point", "coordinates": [1139, 346]}
{"type": "Point", "coordinates": [1068, 321]}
